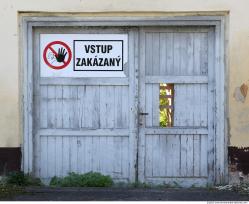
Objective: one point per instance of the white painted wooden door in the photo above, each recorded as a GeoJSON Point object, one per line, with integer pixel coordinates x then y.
{"type": "Point", "coordinates": [182, 154]}
{"type": "Point", "coordinates": [91, 124]}
{"type": "Point", "coordinates": [85, 124]}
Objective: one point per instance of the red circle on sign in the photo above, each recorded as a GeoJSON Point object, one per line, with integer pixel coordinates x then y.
{"type": "Point", "coordinates": [49, 46]}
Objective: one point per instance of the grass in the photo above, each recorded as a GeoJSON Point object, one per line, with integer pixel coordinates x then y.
{"type": "Point", "coordinates": [14, 183]}
{"type": "Point", "coordinates": [8, 191]}
{"type": "Point", "coordinates": [90, 179]}
{"type": "Point", "coordinates": [21, 179]}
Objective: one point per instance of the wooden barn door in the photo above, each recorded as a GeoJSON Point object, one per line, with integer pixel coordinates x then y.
{"type": "Point", "coordinates": [85, 124]}
{"type": "Point", "coordinates": [176, 106]}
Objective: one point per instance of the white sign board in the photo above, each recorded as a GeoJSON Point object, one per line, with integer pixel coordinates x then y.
{"type": "Point", "coordinates": [83, 55]}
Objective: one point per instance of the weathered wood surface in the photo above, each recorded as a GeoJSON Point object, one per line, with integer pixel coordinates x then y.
{"type": "Point", "coordinates": [181, 152]}
{"type": "Point", "coordinates": [92, 124]}
{"type": "Point", "coordinates": [62, 154]}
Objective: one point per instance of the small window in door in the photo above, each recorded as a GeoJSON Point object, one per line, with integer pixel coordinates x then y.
{"type": "Point", "coordinates": [166, 99]}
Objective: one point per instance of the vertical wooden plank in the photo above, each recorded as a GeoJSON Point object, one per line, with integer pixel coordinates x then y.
{"type": "Point", "coordinates": [156, 156]}
{"type": "Point", "coordinates": [165, 155]}
{"type": "Point", "coordinates": [183, 54]}
{"type": "Point", "coordinates": [125, 104]}
{"type": "Point", "coordinates": [73, 104]}
{"type": "Point", "coordinates": [96, 104]}
{"type": "Point", "coordinates": [177, 54]}
{"type": "Point", "coordinates": [175, 150]}
{"type": "Point", "coordinates": [51, 107]}
{"type": "Point", "coordinates": [163, 54]}
{"type": "Point", "coordinates": [81, 155]}
{"type": "Point", "coordinates": [170, 155]}
{"type": "Point", "coordinates": [105, 162]}
{"type": "Point", "coordinates": [197, 105]}
{"type": "Point", "coordinates": [189, 108]}
{"type": "Point", "coordinates": [88, 154]}
{"type": "Point", "coordinates": [183, 167]}
{"type": "Point", "coordinates": [190, 156]}
{"type": "Point", "coordinates": [88, 117]}
{"type": "Point", "coordinates": [170, 53]}
{"type": "Point", "coordinates": [102, 107]}
{"type": "Point", "coordinates": [219, 103]}
{"type": "Point", "coordinates": [204, 105]}
{"type": "Point", "coordinates": [125, 157]}
{"type": "Point", "coordinates": [66, 108]}
{"type": "Point", "coordinates": [190, 53]}
{"type": "Point", "coordinates": [132, 100]}
{"type": "Point", "coordinates": [51, 156]}
{"type": "Point", "coordinates": [28, 101]}
{"type": "Point", "coordinates": [148, 40]}
{"type": "Point", "coordinates": [110, 120]}
{"type": "Point", "coordinates": [117, 170]}
{"type": "Point", "coordinates": [58, 156]}
{"type": "Point", "coordinates": [73, 154]}
{"type": "Point", "coordinates": [44, 157]}
{"type": "Point", "coordinates": [197, 53]}
{"type": "Point", "coordinates": [187, 156]}
{"type": "Point", "coordinates": [89, 108]}
{"type": "Point", "coordinates": [148, 155]}
{"type": "Point", "coordinates": [95, 154]}
{"type": "Point", "coordinates": [66, 155]}
{"type": "Point", "coordinates": [142, 105]}
{"type": "Point", "coordinates": [197, 153]}
{"type": "Point", "coordinates": [155, 54]}
{"type": "Point", "coordinates": [211, 107]}
{"type": "Point", "coordinates": [155, 105]}
{"type": "Point", "coordinates": [58, 106]}
{"type": "Point", "coordinates": [118, 107]}
{"type": "Point", "coordinates": [107, 107]}
{"type": "Point", "coordinates": [43, 107]}
{"type": "Point", "coordinates": [204, 54]}
{"type": "Point", "coordinates": [149, 104]}
{"type": "Point", "coordinates": [81, 105]}
{"type": "Point", "coordinates": [102, 155]}
{"type": "Point", "coordinates": [162, 155]}
{"type": "Point", "coordinates": [109, 155]}
{"type": "Point", "coordinates": [203, 155]}
{"type": "Point", "coordinates": [179, 106]}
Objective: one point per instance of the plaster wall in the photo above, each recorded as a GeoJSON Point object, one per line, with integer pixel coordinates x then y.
{"type": "Point", "coordinates": [238, 49]}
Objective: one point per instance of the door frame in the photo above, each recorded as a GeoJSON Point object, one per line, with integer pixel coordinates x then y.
{"type": "Point", "coordinates": [27, 23]}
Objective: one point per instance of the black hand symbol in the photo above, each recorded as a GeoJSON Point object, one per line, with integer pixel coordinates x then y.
{"type": "Point", "coordinates": [60, 57]}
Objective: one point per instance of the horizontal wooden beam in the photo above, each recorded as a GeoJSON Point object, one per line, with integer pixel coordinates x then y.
{"type": "Point", "coordinates": [176, 131]}
{"type": "Point", "coordinates": [176, 79]}
{"type": "Point", "coordinates": [84, 81]}
{"type": "Point", "coordinates": [84, 132]}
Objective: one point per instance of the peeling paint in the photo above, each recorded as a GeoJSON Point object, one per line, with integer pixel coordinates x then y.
{"type": "Point", "coordinates": [244, 89]}
{"type": "Point", "coordinates": [240, 93]}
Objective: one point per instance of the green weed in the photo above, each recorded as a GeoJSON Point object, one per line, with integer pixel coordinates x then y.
{"type": "Point", "coordinates": [90, 179]}
{"type": "Point", "coordinates": [21, 179]}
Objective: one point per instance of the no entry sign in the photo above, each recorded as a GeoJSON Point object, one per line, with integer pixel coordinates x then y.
{"type": "Point", "coordinates": [83, 55]}
{"type": "Point", "coordinates": [57, 59]}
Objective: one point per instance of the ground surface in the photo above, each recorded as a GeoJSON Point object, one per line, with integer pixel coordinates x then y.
{"type": "Point", "coordinates": [126, 194]}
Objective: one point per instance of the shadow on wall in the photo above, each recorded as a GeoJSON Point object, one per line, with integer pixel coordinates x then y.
{"type": "Point", "coordinates": [10, 160]}
{"type": "Point", "coordinates": [239, 161]}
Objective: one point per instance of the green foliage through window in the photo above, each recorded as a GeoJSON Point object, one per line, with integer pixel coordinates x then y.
{"type": "Point", "coordinates": [166, 104]}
